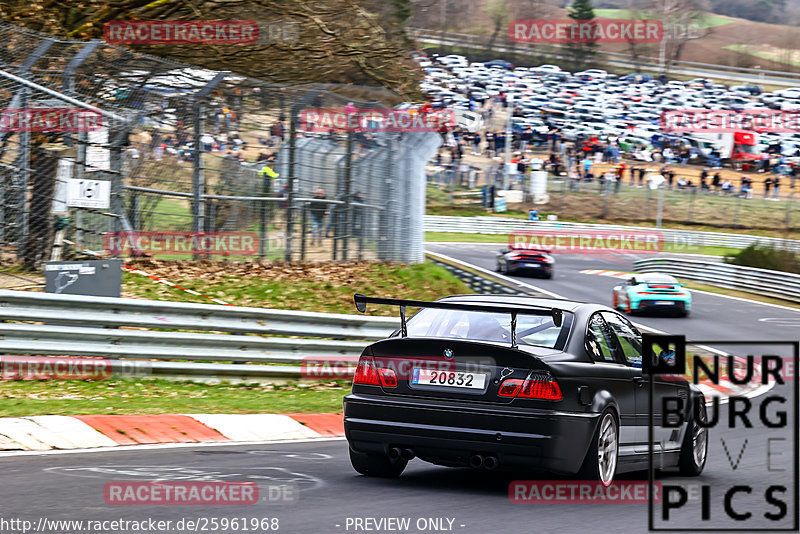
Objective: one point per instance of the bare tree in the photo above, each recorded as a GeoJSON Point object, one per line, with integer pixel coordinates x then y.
{"type": "Point", "coordinates": [337, 41]}
{"type": "Point", "coordinates": [683, 22]}
{"type": "Point", "coordinates": [500, 17]}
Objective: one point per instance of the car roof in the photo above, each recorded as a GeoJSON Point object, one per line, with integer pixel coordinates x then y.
{"type": "Point", "coordinates": [655, 277]}
{"type": "Point", "coordinates": [524, 301]}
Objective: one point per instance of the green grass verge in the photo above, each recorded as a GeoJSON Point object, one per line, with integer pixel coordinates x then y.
{"type": "Point", "coordinates": [158, 396]}
{"type": "Point", "coordinates": [747, 49]}
{"type": "Point", "coordinates": [424, 281]}
{"type": "Point", "coordinates": [323, 288]}
{"type": "Point", "coordinates": [741, 294]}
{"type": "Point", "coordinates": [707, 20]}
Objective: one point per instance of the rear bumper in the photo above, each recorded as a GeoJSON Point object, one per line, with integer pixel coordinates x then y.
{"type": "Point", "coordinates": [532, 267]}
{"type": "Point", "coordinates": [652, 304]}
{"type": "Point", "coordinates": [449, 434]}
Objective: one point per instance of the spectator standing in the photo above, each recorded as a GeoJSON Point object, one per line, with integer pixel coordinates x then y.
{"type": "Point", "coordinates": [499, 143]}
{"type": "Point", "coordinates": [587, 165]}
{"type": "Point", "coordinates": [525, 138]}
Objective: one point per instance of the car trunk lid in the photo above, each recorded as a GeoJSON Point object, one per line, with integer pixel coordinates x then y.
{"type": "Point", "coordinates": [471, 371]}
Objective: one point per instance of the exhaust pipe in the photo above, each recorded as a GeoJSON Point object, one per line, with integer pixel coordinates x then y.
{"type": "Point", "coordinates": [394, 453]}
{"type": "Point", "coordinates": [475, 461]}
{"type": "Point", "coordinates": [407, 454]}
{"type": "Point", "coordinates": [491, 462]}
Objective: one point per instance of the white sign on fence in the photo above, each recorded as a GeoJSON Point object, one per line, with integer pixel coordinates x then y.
{"type": "Point", "coordinates": [98, 157]}
{"type": "Point", "coordinates": [82, 193]}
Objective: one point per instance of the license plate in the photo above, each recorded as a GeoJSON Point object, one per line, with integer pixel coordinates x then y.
{"type": "Point", "coordinates": [536, 265]}
{"type": "Point", "coordinates": [664, 303]}
{"type": "Point", "coordinates": [453, 379]}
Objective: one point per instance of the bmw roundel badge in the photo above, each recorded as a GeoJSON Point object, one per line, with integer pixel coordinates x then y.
{"type": "Point", "coordinates": [448, 353]}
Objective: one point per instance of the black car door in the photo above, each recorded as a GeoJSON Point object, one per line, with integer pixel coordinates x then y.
{"type": "Point", "coordinates": [629, 344]}
{"type": "Point", "coordinates": [614, 376]}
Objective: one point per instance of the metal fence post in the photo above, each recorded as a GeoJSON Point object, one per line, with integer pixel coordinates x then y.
{"type": "Point", "coordinates": [23, 165]}
{"type": "Point", "coordinates": [383, 215]}
{"type": "Point", "coordinates": [348, 195]}
{"type": "Point", "coordinates": [264, 216]}
{"type": "Point", "coordinates": [198, 175]}
{"type": "Point", "coordinates": [303, 229]}
{"type": "Point", "coordinates": [117, 191]}
{"type": "Point", "coordinates": [293, 116]}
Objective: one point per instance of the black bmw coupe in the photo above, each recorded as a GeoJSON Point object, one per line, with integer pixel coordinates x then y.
{"type": "Point", "coordinates": [491, 381]}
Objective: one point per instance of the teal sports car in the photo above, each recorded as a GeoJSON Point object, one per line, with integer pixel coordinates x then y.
{"type": "Point", "coordinates": [651, 292]}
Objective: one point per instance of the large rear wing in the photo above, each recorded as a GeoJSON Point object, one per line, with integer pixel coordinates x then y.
{"type": "Point", "coordinates": [361, 302]}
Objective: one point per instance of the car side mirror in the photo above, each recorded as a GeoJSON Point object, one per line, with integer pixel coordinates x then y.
{"type": "Point", "coordinates": [504, 251]}
{"type": "Point", "coordinates": [633, 282]}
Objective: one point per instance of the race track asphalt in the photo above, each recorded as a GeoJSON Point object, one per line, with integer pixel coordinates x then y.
{"type": "Point", "coordinates": [331, 497]}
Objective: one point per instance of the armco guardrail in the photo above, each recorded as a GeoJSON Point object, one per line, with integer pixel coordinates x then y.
{"type": "Point", "coordinates": [762, 281]}
{"type": "Point", "coordinates": [506, 225]}
{"type": "Point", "coordinates": [90, 326]}
{"type": "Point", "coordinates": [158, 314]}
{"type": "Point", "coordinates": [147, 336]}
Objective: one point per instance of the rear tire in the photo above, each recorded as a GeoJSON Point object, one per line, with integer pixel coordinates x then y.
{"type": "Point", "coordinates": [601, 460]}
{"type": "Point", "coordinates": [377, 465]}
{"type": "Point", "coordinates": [694, 449]}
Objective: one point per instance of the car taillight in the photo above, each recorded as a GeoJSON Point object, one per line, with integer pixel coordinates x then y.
{"type": "Point", "coordinates": [366, 372]}
{"type": "Point", "coordinates": [542, 387]}
{"type": "Point", "coordinates": [388, 378]}
{"type": "Point", "coordinates": [510, 388]}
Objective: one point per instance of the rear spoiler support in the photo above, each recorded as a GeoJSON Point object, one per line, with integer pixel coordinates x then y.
{"type": "Point", "coordinates": [361, 302]}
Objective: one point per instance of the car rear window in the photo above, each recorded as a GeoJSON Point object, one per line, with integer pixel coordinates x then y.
{"type": "Point", "coordinates": [535, 330]}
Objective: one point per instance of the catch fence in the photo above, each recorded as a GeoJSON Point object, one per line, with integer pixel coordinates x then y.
{"type": "Point", "coordinates": [177, 149]}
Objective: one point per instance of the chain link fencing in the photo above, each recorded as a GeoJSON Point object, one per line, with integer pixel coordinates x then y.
{"type": "Point", "coordinates": [172, 155]}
